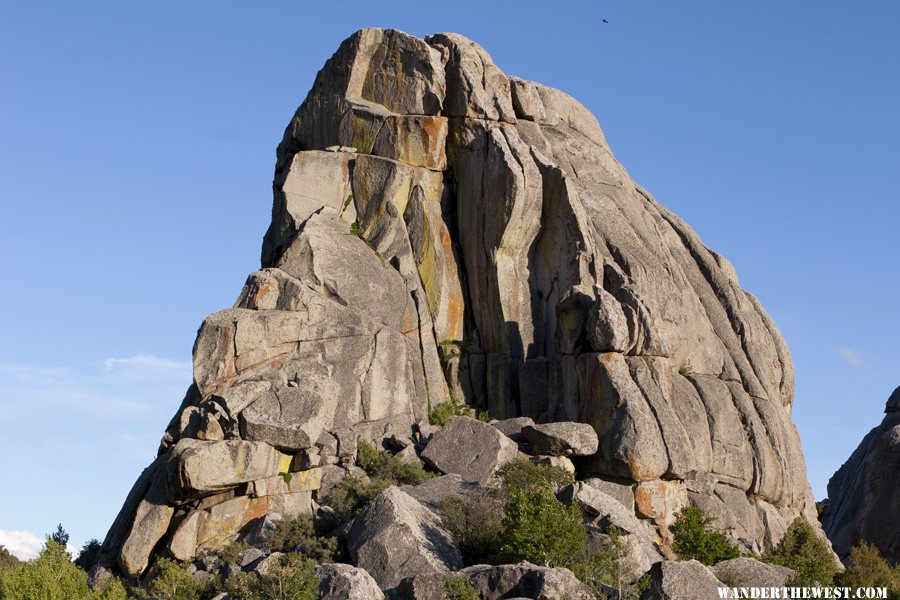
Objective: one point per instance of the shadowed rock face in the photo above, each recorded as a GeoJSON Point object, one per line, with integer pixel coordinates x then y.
{"type": "Point", "coordinates": [440, 230]}
{"type": "Point", "coordinates": [866, 490]}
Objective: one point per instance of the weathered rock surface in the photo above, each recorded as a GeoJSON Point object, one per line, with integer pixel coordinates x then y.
{"type": "Point", "coordinates": [681, 580]}
{"type": "Point", "coordinates": [562, 439]}
{"type": "Point", "coordinates": [604, 512]}
{"type": "Point", "coordinates": [345, 582]}
{"type": "Point", "coordinates": [469, 448]}
{"type": "Point", "coordinates": [749, 572]}
{"type": "Point", "coordinates": [525, 580]}
{"type": "Point", "coordinates": [396, 537]}
{"type": "Point", "coordinates": [866, 489]}
{"type": "Point", "coordinates": [440, 229]}
{"type": "Point", "coordinates": [434, 491]}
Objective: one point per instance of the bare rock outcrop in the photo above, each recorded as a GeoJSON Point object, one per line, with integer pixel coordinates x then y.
{"type": "Point", "coordinates": [866, 490]}
{"type": "Point", "coordinates": [441, 230]}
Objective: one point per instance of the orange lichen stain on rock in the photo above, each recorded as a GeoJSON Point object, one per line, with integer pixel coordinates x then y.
{"type": "Point", "coordinates": [266, 294]}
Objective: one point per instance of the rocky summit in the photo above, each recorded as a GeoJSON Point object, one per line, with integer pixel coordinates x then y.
{"type": "Point", "coordinates": [865, 491]}
{"type": "Point", "coordinates": [442, 232]}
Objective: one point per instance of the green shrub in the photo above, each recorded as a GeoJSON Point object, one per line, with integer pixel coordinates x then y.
{"type": "Point", "coordinates": [442, 413]}
{"type": "Point", "coordinates": [522, 475]}
{"type": "Point", "coordinates": [52, 576]}
{"type": "Point", "coordinates": [290, 578]}
{"type": "Point", "coordinates": [694, 538]}
{"type": "Point", "coordinates": [459, 588]}
{"type": "Point", "coordinates": [540, 529]}
{"type": "Point", "coordinates": [386, 466]}
{"type": "Point", "coordinates": [173, 580]}
{"type": "Point", "coordinates": [805, 552]}
{"type": "Point", "coordinates": [350, 496]}
{"type": "Point", "coordinates": [867, 568]}
{"type": "Point", "coordinates": [229, 554]}
{"type": "Point", "coordinates": [476, 524]}
{"type": "Point", "coordinates": [300, 534]}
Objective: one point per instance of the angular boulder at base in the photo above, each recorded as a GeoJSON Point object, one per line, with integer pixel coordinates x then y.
{"type": "Point", "coordinates": [346, 582]}
{"type": "Point", "coordinates": [443, 232]}
{"type": "Point", "coordinates": [681, 580]}
{"type": "Point", "coordinates": [749, 572]}
{"type": "Point", "coordinates": [526, 580]}
{"type": "Point", "coordinates": [396, 537]}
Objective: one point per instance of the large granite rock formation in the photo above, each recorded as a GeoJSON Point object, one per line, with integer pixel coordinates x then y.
{"type": "Point", "coordinates": [443, 231]}
{"type": "Point", "coordinates": [865, 491]}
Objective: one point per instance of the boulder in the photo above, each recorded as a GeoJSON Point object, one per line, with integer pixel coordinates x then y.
{"type": "Point", "coordinates": [396, 537]}
{"type": "Point", "coordinates": [562, 439]}
{"type": "Point", "coordinates": [865, 488]}
{"type": "Point", "coordinates": [749, 572]}
{"type": "Point", "coordinates": [346, 582]}
{"type": "Point", "coordinates": [526, 580]}
{"type": "Point", "coordinates": [681, 580]}
{"type": "Point", "coordinates": [436, 490]}
{"type": "Point", "coordinates": [512, 428]}
{"type": "Point", "coordinates": [620, 491]}
{"type": "Point", "coordinates": [601, 508]}
{"type": "Point", "coordinates": [469, 448]}
{"type": "Point", "coordinates": [560, 462]}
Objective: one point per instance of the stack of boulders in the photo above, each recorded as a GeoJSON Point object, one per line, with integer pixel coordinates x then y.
{"type": "Point", "coordinates": [399, 546]}
{"type": "Point", "coordinates": [442, 232]}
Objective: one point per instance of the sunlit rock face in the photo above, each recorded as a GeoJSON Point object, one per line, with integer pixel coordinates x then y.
{"type": "Point", "coordinates": [442, 231]}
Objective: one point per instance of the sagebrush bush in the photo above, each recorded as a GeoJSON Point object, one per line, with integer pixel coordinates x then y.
{"type": "Point", "coordinates": [386, 466]}
{"type": "Point", "coordinates": [230, 553]}
{"type": "Point", "coordinates": [476, 524]}
{"type": "Point", "coordinates": [459, 588]}
{"type": "Point", "coordinates": [290, 578]}
{"type": "Point", "coordinates": [301, 534]}
{"type": "Point", "coordinates": [694, 538]}
{"type": "Point", "coordinates": [805, 552]}
{"type": "Point", "coordinates": [522, 475]}
{"type": "Point", "coordinates": [442, 413]}
{"type": "Point", "coordinates": [351, 495]}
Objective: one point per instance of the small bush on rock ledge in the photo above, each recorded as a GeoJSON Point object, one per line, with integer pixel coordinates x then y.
{"type": "Point", "coordinates": [300, 534]}
{"type": "Point", "coordinates": [694, 538]}
{"type": "Point", "coordinates": [387, 467]}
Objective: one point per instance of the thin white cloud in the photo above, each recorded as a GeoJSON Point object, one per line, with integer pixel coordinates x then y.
{"type": "Point", "coordinates": [854, 358]}
{"type": "Point", "coordinates": [24, 545]}
{"type": "Point", "coordinates": [147, 365]}
{"type": "Point", "coordinates": [131, 387]}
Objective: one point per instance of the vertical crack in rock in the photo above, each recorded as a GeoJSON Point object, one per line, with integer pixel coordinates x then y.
{"type": "Point", "coordinates": [440, 229]}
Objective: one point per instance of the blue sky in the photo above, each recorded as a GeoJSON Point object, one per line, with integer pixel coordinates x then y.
{"type": "Point", "coordinates": [136, 152]}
